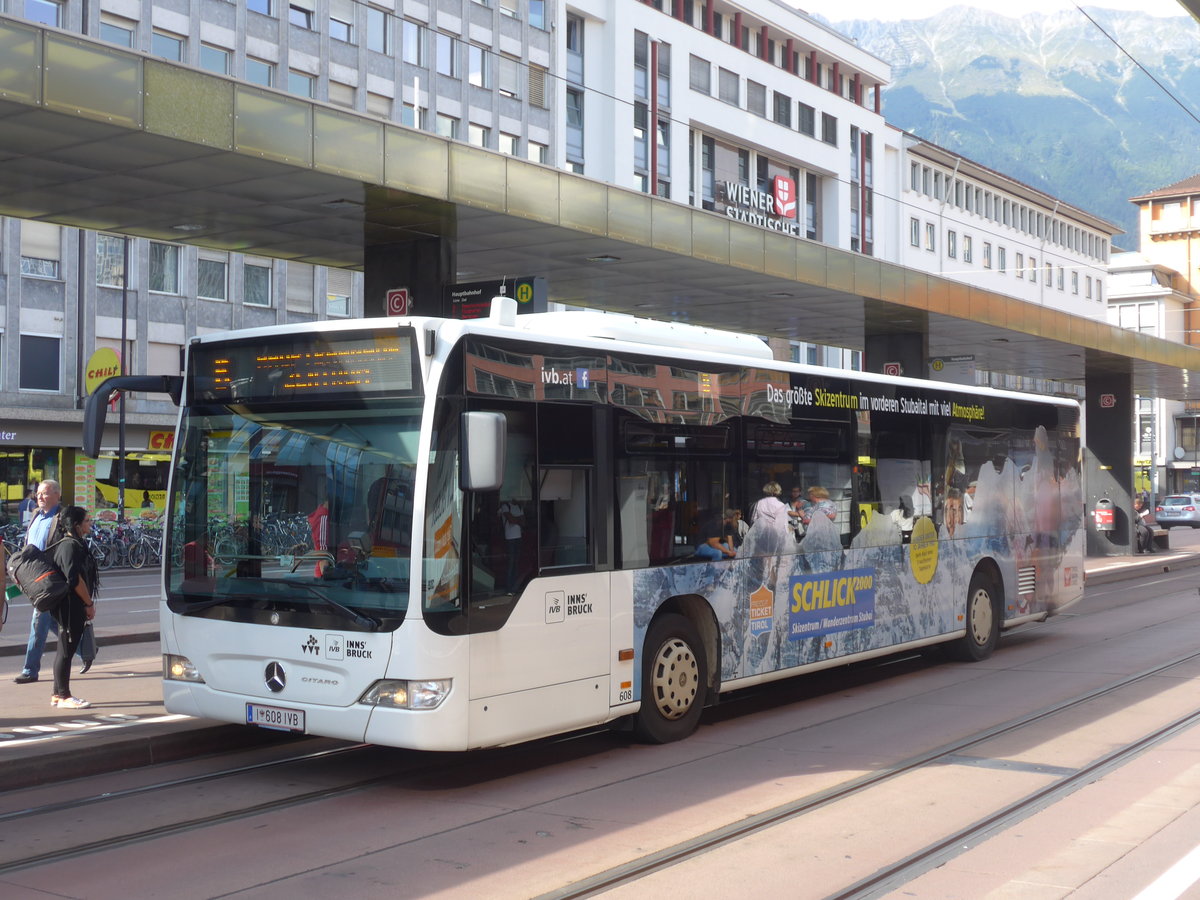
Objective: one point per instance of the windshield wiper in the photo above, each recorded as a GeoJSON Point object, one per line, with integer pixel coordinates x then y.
{"type": "Point", "coordinates": [348, 611]}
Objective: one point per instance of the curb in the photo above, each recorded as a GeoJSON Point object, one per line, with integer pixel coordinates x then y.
{"type": "Point", "coordinates": [1142, 568]}
{"type": "Point", "coordinates": [38, 764]}
{"type": "Point", "coordinates": [109, 640]}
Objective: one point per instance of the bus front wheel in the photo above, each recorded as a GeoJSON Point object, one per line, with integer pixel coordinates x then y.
{"type": "Point", "coordinates": [674, 680]}
{"type": "Point", "coordinates": [983, 621]}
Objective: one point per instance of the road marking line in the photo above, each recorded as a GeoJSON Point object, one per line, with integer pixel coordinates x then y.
{"type": "Point", "coordinates": [1177, 879]}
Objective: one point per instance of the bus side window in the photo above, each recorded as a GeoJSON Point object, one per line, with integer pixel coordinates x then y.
{"type": "Point", "coordinates": [564, 509]}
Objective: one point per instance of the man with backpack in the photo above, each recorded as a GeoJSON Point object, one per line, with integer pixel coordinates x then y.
{"type": "Point", "coordinates": [41, 526]}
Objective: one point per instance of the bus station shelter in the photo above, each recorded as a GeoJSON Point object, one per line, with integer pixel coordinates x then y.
{"type": "Point", "coordinates": [102, 137]}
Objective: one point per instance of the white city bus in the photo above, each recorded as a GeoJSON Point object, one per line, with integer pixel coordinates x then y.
{"type": "Point", "coordinates": [491, 529]}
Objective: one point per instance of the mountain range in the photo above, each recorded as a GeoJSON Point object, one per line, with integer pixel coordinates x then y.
{"type": "Point", "coordinates": [1093, 107]}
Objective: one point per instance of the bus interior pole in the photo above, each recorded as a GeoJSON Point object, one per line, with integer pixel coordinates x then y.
{"type": "Point", "coordinates": [121, 427]}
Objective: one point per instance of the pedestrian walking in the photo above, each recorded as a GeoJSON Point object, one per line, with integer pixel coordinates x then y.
{"type": "Point", "coordinates": [75, 560]}
{"type": "Point", "coordinates": [42, 525]}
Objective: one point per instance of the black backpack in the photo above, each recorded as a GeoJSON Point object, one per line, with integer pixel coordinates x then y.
{"type": "Point", "coordinates": [34, 571]}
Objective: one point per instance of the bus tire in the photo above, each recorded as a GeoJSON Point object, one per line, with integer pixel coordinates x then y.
{"type": "Point", "coordinates": [674, 680]}
{"type": "Point", "coordinates": [983, 621]}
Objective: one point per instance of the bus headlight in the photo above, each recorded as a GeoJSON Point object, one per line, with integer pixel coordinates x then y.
{"type": "Point", "coordinates": [397, 694]}
{"type": "Point", "coordinates": [180, 668]}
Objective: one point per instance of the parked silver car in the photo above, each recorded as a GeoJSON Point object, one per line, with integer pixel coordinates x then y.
{"type": "Point", "coordinates": [1178, 509]}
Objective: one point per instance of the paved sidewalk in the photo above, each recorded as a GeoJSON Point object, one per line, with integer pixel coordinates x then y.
{"type": "Point", "coordinates": [128, 726]}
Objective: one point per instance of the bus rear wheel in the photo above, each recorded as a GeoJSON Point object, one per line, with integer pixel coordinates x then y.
{"type": "Point", "coordinates": [983, 621]}
{"type": "Point", "coordinates": [674, 680]}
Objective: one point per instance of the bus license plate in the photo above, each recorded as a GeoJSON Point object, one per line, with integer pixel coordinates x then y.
{"type": "Point", "coordinates": [276, 717]}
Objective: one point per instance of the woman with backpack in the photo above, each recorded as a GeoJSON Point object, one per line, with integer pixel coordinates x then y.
{"type": "Point", "coordinates": [75, 560]}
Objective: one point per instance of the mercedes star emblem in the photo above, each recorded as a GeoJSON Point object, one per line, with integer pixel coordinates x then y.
{"type": "Point", "coordinates": [276, 679]}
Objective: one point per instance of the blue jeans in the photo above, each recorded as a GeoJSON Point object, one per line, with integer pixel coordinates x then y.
{"type": "Point", "coordinates": [39, 630]}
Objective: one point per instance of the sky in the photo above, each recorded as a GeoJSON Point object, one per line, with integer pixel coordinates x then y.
{"type": "Point", "coordinates": [891, 10]}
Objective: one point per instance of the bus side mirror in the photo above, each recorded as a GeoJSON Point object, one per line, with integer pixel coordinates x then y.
{"type": "Point", "coordinates": [96, 404]}
{"type": "Point", "coordinates": [483, 441]}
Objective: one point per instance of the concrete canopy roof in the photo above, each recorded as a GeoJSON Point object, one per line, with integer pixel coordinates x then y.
{"type": "Point", "coordinates": [105, 138]}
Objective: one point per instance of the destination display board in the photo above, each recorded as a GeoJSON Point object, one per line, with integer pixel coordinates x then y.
{"type": "Point", "coordinates": [307, 368]}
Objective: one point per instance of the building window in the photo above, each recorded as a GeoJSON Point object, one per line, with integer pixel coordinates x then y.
{"type": "Point", "coordinates": [756, 98]}
{"type": "Point", "coordinates": [337, 291]}
{"type": "Point", "coordinates": [110, 260]}
{"type": "Point", "coordinates": [700, 75]}
{"type": "Point", "coordinates": [342, 29]}
{"type": "Point", "coordinates": [446, 126]}
{"type": "Point", "coordinates": [256, 284]}
{"type": "Point", "coordinates": [379, 32]}
{"type": "Point", "coordinates": [508, 8]}
{"type": "Point", "coordinates": [447, 55]}
{"type": "Point", "coordinates": [41, 366]}
{"type": "Point", "coordinates": [574, 49]}
{"type": "Point", "coordinates": [478, 72]}
{"type": "Point", "coordinates": [829, 129]}
{"type": "Point", "coordinates": [164, 268]}
{"type": "Point", "coordinates": [930, 236]}
{"type": "Point", "coordinates": [728, 87]}
{"type": "Point", "coordinates": [300, 17]}
{"type": "Point", "coordinates": [537, 14]}
{"type": "Point", "coordinates": [341, 94]}
{"type": "Point", "coordinates": [508, 144]}
{"type": "Point", "coordinates": [259, 72]}
{"type": "Point", "coordinates": [116, 30]}
{"type": "Point", "coordinates": [987, 255]}
{"type": "Point", "coordinates": [381, 105]}
{"type": "Point", "coordinates": [914, 177]}
{"type": "Point", "coordinates": [806, 119]}
{"type": "Point", "coordinates": [783, 110]}
{"type": "Point", "coordinates": [167, 45]}
{"type": "Point", "coordinates": [1033, 269]}
{"type": "Point", "coordinates": [259, 6]}
{"type": "Point", "coordinates": [301, 84]}
{"type": "Point", "coordinates": [1001, 260]}
{"type": "Point", "coordinates": [538, 153]}
{"type": "Point", "coordinates": [966, 248]}
{"type": "Point", "coordinates": [574, 125]}
{"type": "Point", "coordinates": [1074, 282]}
{"type": "Point", "coordinates": [299, 287]}
{"type": "Point", "coordinates": [41, 249]}
{"type": "Point", "coordinates": [214, 59]}
{"type": "Point", "coordinates": [44, 11]}
{"type": "Point", "coordinates": [410, 115]}
{"type": "Point", "coordinates": [537, 86]}
{"type": "Point", "coordinates": [1088, 284]}
{"type": "Point", "coordinates": [478, 136]}
{"type": "Point", "coordinates": [1019, 265]}
{"type": "Point", "coordinates": [510, 77]}
{"type": "Point", "coordinates": [914, 232]}
{"type": "Point", "coordinates": [952, 244]}
{"type": "Point", "coordinates": [212, 277]}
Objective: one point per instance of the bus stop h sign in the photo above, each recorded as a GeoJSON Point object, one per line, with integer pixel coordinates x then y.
{"type": "Point", "coordinates": [398, 302]}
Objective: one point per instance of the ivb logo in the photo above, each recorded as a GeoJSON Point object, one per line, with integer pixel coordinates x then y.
{"type": "Point", "coordinates": [785, 197]}
{"type": "Point", "coordinates": [579, 378]}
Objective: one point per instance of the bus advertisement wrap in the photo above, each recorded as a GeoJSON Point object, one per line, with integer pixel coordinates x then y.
{"type": "Point", "coordinates": [827, 604]}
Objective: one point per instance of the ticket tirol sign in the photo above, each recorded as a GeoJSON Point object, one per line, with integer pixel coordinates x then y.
{"type": "Point", "coordinates": [776, 210]}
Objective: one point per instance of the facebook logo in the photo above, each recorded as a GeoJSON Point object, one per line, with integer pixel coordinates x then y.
{"type": "Point", "coordinates": [581, 378]}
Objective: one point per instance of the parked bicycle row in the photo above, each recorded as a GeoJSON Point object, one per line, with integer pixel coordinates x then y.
{"type": "Point", "coordinates": [138, 544]}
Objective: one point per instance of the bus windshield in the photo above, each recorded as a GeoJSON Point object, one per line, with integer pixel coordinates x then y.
{"type": "Point", "coordinates": [300, 512]}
